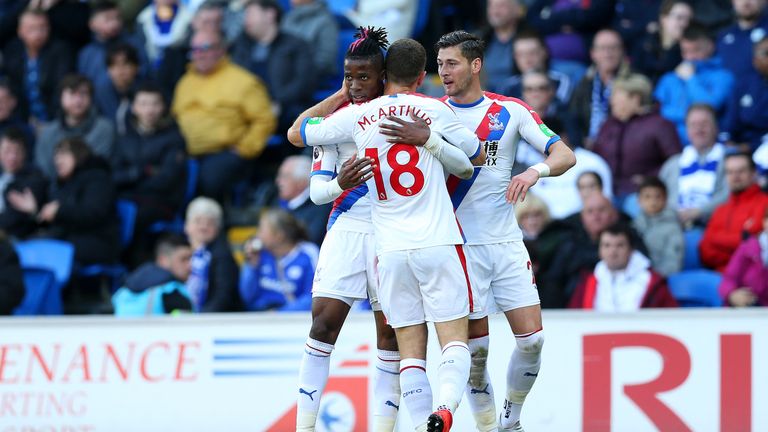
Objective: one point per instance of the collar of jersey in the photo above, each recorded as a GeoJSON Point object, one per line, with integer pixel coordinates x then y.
{"type": "Point", "coordinates": [469, 105]}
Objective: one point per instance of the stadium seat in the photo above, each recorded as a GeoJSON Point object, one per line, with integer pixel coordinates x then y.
{"type": "Point", "coordinates": [126, 211]}
{"type": "Point", "coordinates": [177, 224]}
{"type": "Point", "coordinates": [40, 286]}
{"type": "Point", "coordinates": [696, 288]}
{"type": "Point", "coordinates": [691, 260]}
{"type": "Point", "coordinates": [338, 7]}
{"type": "Point", "coordinates": [54, 255]}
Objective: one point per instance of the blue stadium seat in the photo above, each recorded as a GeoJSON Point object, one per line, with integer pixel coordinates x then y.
{"type": "Point", "coordinates": [54, 255]}
{"type": "Point", "coordinates": [696, 288]}
{"type": "Point", "coordinates": [126, 211]}
{"type": "Point", "coordinates": [40, 285]}
{"type": "Point", "coordinates": [691, 259]}
{"type": "Point", "coordinates": [338, 7]}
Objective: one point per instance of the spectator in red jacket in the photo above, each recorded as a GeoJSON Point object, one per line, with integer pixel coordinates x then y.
{"type": "Point", "coordinates": [623, 280]}
{"type": "Point", "coordinates": [745, 281]}
{"type": "Point", "coordinates": [739, 217]}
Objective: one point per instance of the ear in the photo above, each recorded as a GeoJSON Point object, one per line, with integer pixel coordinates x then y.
{"type": "Point", "coordinates": [476, 65]}
{"type": "Point", "coordinates": [420, 80]}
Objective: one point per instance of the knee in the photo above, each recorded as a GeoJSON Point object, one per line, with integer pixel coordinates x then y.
{"type": "Point", "coordinates": [531, 343]}
{"type": "Point", "coordinates": [324, 330]}
{"type": "Point", "coordinates": [387, 340]}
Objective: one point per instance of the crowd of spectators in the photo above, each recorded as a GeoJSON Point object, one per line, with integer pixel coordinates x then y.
{"type": "Point", "coordinates": [180, 107]}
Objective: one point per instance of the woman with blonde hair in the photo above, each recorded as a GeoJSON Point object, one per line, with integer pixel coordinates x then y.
{"type": "Point", "coordinates": [532, 216]}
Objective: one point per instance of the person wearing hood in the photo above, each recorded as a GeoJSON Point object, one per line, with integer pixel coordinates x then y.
{"type": "Point", "coordinates": [157, 287]}
{"type": "Point", "coordinates": [78, 119]}
{"type": "Point", "coordinates": [623, 280]}
{"type": "Point", "coordinates": [81, 208]}
{"type": "Point", "coordinates": [659, 227]}
{"type": "Point", "coordinates": [700, 78]}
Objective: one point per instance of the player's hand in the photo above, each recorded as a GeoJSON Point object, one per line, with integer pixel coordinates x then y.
{"type": "Point", "coordinates": [404, 132]}
{"type": "Point", "coordinates": [355, 172]}
{"type": "Point", "coordinates": [520, 184]}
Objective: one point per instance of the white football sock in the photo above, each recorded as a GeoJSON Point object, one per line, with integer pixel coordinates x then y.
{"type": "Point", "coordinates": [521, 374]}
{"type": "Point", "coordinates": [313, 375]}
{"type": "Point", "coordinates": [479, 389]}
{"type": "Point", "coordinates": [386, 390]}
{"type": "Point", "coordinates": [453, 374]}
{"type": "Point", "coordinates": [417, 394]}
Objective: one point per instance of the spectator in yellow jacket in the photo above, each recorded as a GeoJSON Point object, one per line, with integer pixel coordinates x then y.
{"type": "Point", "coordinates": [224, 113]}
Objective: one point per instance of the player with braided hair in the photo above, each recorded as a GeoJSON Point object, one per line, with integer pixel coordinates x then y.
{"type": "Point", "coordinates": [346, 269]}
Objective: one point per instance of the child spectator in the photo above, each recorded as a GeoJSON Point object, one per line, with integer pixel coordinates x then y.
{"type": "Point", "coordinates": [157, 287]}
{"type": "Point", "coordinates": [745, 280]}
{"type": "Point", "coordinates": [659, 227]}
{"type": "Point", "coordinates": [17, 175]}
{"type": "Point", "coordinates": [114, 89]}
{"type": "Point", "coordinates": [281, 265]}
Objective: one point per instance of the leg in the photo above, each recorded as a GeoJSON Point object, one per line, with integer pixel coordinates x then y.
{"type": "Point", "coordinates": [219, 172]}
{"type": "Point", "coordinates": [386, 377]}
{"type": "Point", "coordinates": [479, 390]}
{"type": "Point", "coordinates": [328, 315]}
{"type": "Point", "coordinates": [526, 360]}
{"type": "Point", "coordinates": [417, 393]}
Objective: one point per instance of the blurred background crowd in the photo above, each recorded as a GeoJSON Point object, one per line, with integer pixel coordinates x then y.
{"type": "Point", "coordinates": [144, 167]}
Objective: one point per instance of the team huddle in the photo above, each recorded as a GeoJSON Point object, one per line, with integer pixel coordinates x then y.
{"type": "Point", "coordinates": [423, 226]}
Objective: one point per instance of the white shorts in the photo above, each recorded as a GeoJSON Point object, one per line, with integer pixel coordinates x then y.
{"type": "Point", "coordinates": [346, 268]}
{"type": "Point", "coordinates": [502, 277]}
{"type": "Point", "coordinates": [428, 284]}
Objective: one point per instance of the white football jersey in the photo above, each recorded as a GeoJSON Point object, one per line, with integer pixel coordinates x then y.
{"type": "Point", "coordinates": [352, 209]}
{"type": "Point", "coordinates": [411, 208]}
{"type": "Point", "coordinates": [480, 202]}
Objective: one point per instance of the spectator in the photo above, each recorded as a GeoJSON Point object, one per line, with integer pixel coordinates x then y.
{"type": "Point", "coordinates": [150, 161]}
{"type": "Point", "coordinates": [12, 289]}
{"type": "Point", "coordinates": [275, 56]}
{"type": "Point", "coordinates": [745, 280]}
{"type": "Point", "coordinates": [157, 288]}
{"type": "Point", "coordinates": [505, 20]}
{"type": "Point", "coordinates": [760, 158]}
{"type": "Point", "coordinates": [623, 280]}
{"type": "Point", "coordinates": [590, 182]}
{"type": "Point", "coordinates": [634, 19]}
{"type": "Point", "coordinates": [224, 113]}
{"type": "Point", "coordinates": [161, 25]}
{"type": "Point", "coordinates": [532, 216]}
{"type": "Point", "coordinates": [17, 175]}
{"type": "Point", "coordinates": [530, 55]}
{"type": "Point", "coordinates": [208, 17]}
{"type": "Point", "coordinates": [293, 193]}
{"type": "Point", "coordinates": [659, 227]}
{"type": "Point", "coordinates": [634, 140]}
{"type": "Point", "coordinates": [735, 43]}
{"type": "Point", "coordinates": [35, 64]}
{"type": "Point", "coordinates": [658, 51]}
{"type": "Point", "coordinates": [741, 215]}
{"type": "Point", "coordinates": [746, 118]}
{"type": "Point", "coordinates": [700, 78]}
{"type": "Point", "coordinates": [113, 90]}
{"type": "Point", "coordinates": [397, 16]}
{"type": "Point", "coordinates": [8, 117]}
{"type": "Point", "coordinates": [566, 24]}
{"type": "Point", "coordinates": [312, 21]}
{"type": "Point", "coordinates": [589, 105]}
{"type": "Point", "coordinates": [280, 265]}
{"type": "Point", "coordinates": [78, 119]}
{"type": "Point", "coordinates": [212, 282]}
{"type": "Point", "coordinates": [695, 178]}
{"type": "Point", "coordinates": [81, 208]}
{"type": "Point", "coordinates": [107, 27]}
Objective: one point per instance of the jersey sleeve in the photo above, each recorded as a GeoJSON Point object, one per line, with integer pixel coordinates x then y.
{"type": "Point", "coordinates": [448, 125]}
{"type": "Point", "coordinates": [533, 130]}
{"type": "Point", "coordinates": [324, 160]}
{"type": "Point", "coordinates": [333, 129]}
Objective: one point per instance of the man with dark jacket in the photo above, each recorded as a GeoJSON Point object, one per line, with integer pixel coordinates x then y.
{"type": "Point", "coordinates": [17, 175]}
{"type": "Point", "coordinates": [35, 64]}
{"type": "Point", "coordinates": [11, 278]}
{"type": "Point", "coordinates": [8, 116]}
{"type": "Point", "coordinates": [276, 57]}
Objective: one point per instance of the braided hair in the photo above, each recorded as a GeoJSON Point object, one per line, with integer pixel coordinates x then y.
{"type": "Point", "coordinates": [370, 44]}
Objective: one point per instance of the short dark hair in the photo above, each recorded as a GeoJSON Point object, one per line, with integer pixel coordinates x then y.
{"type": "Point", "coordinates": [531, 34]}
{"type": "Point", "coordinates": [124, 50]}
{"type": "Point", "coordinates": [285, 222]}
{"type": "Point", "coordinates": [745, 155]}
{"type": "Point", "coordinates": [75, 145]}
{"type": "Point", "coordinates": [149, 87]}
{"type": "Point", "coordinates": [471, 46]}
{"type": "Point", "coordinates": [16, 136]}
{"type": "Point", "coordinates": [6, 84]}
{"type": "Point", "coordinates": [620, 229]}
{"type": "Point", "coordinates": [652, 182]}
{"type": "Point", "coordinates": [168, 243]}
{"type": "Point", "coordinates": [268, 4]}
{"type": "Point", "coordinates": [405, 61]}
{"type": "Point", "coordinates": [700, 106]}
{"type": "Point", "coordinates": [593, 174]}
{"type": "Point", "coordinates": [696, 31]}
{"type": "Point", "coordinates": [369, 44]}
{"type": "Point", "coordinates": [102, 6]}
{"type": "Point", "coordinates": [667, 5]}
{"type": "Point", "coordinates": [35, 12]}
{"type": "Point", "coordinates": [73, 82]}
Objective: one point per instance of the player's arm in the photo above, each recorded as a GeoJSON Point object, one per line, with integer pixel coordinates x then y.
{"type": "Point", "coordinates": [321, 109]}
{"type": "Point", "coordinates": [323, 188]}
{"type": "Point", "coordinates": [450, 127]}
{"type": "Point", "coordinates": [418, 133]}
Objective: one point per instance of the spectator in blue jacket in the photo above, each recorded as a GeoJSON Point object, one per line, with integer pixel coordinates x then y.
{"type": "Point", "coordinates": [280, 265]}
{"type": "Point", "coordinates": [734, 45]}
{"type": "Point", "coordinates": [746, 119]}
{"type": "Point", "coordinates": [113, 91]}
{"type": "Point", "coordinates": [106, 24]}
{"type": "Point", "coordinates": [700, 78]}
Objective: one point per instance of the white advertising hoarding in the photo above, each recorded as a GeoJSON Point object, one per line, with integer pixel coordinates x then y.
{"type": "Point", "coordinates": [663, 370]}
